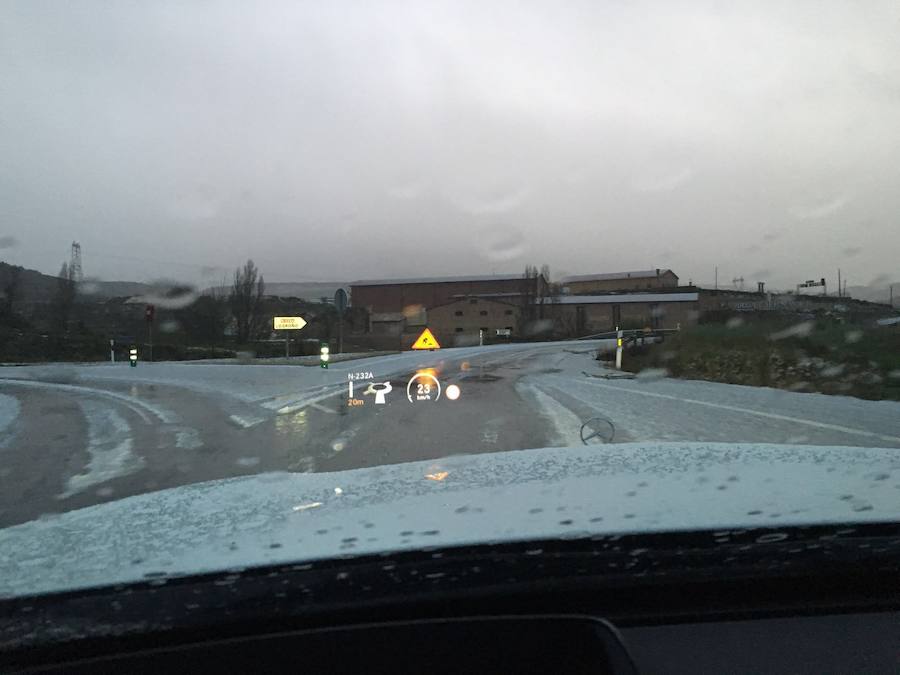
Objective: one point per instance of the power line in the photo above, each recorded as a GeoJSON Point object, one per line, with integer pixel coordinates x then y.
{"type": "Point", "coordinates": [203, 268]}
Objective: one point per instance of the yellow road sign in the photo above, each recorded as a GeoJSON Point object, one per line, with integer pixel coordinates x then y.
{"type": "Point", "coordinates": [426, 341]}
{"type": "Point", "coordinates": [289, 322]}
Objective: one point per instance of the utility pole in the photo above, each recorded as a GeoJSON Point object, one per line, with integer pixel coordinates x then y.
{"type": "Point", "coordinates": [839, 282]}
{"type": "Point", "coordinates": [75, 272]}
{"type": "Point", "coordinates": [717, 278]}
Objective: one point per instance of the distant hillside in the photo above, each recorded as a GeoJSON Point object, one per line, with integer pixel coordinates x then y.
{"type": "Point", "coordinates": [874, 293]}
{"type": "Point", "coordinates": [306, 290]}
{"type": "Point", "coordinates": [36, 287]}
{"type": "Point", "coordinates": [33, 286]}
{"type": "Point", "coordinates": [114, 289]}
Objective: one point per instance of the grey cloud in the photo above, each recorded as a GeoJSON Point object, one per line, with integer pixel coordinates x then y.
{"type": "Point", "coordinates": [464, 137]}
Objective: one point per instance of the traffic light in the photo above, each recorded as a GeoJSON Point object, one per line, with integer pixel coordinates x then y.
{"type": "Point", "coordinates": [132, 356]}
{"type": "Point", "coordinates": [324, 355]}
{"type": "Point", "coordinates": [148, 313]}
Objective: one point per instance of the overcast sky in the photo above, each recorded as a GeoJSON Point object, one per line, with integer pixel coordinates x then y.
{"type": "Point", "coordinates": [341, 140]}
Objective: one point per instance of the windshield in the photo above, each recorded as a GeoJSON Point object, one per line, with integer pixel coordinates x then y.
{"type": "Point", "coordinates": [337, 266]}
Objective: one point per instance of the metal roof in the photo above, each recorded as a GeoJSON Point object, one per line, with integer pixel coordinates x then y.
{"type": "Point", "coordinates": [614, 276]}
{"type": "Point", "coordinates": [461, 299]}
{"type": "Point", "coordinates": [437, 280]}
{"type": "Point", "coordinates": [388, 317]}
{"type": "Point", "coordinates": [620, 299]}
{"type": "Point", "coordinates": [488, 296]}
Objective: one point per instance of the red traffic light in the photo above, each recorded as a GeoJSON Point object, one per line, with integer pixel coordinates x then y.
{"type": "Point", "coordinates": [148, 312]}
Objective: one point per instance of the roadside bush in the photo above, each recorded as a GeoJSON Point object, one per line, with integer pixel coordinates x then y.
{"type": "Point", "coordinates": [835, 358]}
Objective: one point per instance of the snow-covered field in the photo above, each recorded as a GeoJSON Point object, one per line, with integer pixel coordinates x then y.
{"type": "Point", "coordinates": [663, 409]}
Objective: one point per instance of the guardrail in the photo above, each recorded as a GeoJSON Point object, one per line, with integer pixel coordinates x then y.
{"type": "Point", "coordinates": [629, 334]}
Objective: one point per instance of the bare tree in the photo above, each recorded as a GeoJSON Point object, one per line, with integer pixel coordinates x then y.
{"type": "Point", "coordinates": [11, 289]}
{"type": "Point", "coordinates": [542, 288]}
{"type": "Point", "coordinates": [526, 299]}
{"type": "Point", "coordinates": [205, 319]}
{"type": "Point", "coordinates": [545, 272]}
{"type": "Point", "coordinates": [245, 301]}
{"type": "Point", "coordinates": [533, 294]}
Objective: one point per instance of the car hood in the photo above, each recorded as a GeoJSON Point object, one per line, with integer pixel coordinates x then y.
{"type": "Point", "coordinates": [520, 495]}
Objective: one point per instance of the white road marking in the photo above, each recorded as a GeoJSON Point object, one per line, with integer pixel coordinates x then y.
{"type": "Point", "coordinates": [319, 406]}
{"type": "Point", "coordinates": [138, 406]}
{"type": "Point", "coordinates": [187, 438]}
{"type": "Point", "coordinates": [245, 422]}
{"type": "Point", "coordinates": [289, 403]}
{"type": "Point", "coordinates": [748, 411]}
{"type": "Point", "coordinates": [109, 447]}
{"type": "Point", "coordinates": [565, 423]}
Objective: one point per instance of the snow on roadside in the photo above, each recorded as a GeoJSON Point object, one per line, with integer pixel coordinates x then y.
{"type": "Point", "coordinates": [678, 410]}
{"type": "Point", "coordinates": [109, 446]}
{"type": "Point", "coordinates": [566, 425]}
{"type": "Point", "coordinates": [9, 411]}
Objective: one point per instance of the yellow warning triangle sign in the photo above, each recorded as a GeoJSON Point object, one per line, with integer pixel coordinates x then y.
{"type": "Point", "coordinates": [426, 341]}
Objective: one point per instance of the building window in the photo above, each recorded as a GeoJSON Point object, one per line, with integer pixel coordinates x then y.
{"type": "Point", "coordinates": [508, 312]}
{"type": "Point", "coordinates": [458, 329]}
{"type": "Point", "coordinates": [473, 301]}
{"type": "Point", "coordinates": [458, 312]}
{"type": "Point", "coordinates": [483, 312]}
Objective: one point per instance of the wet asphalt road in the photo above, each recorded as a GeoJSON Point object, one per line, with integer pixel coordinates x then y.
{"type": "Point", "coordinates": [75, 436]}
{"type": "Point", "coordinates": [82, 441]}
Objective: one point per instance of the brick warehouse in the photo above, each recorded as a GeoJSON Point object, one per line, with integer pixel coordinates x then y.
{"type": "Point", "coordinates": [589, 314]}
{"type": "Point", "coordinates": [411, 295]}
{"type": "Point", "coordinates": [463, 321]}
{"type": "Point", "coordinates": [619, 281]}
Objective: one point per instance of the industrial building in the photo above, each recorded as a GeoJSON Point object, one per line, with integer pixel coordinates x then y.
{"type": "Point", "coordinates": [382, 296]}
{"type": "Point", "coordinates": [619, 281]}
{"type": "Point", "coordinates": [574, 315]}
{"type": "Point", "coordinates": [458, 309]}
{"type": "Point", "coordinates": [466, 320]}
